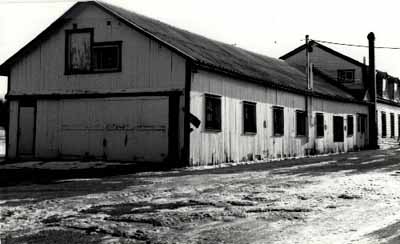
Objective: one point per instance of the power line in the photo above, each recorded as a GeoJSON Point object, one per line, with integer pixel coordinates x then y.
{"type": "Point", "coordinates": [37, 1]}
{"type": "Point", "coordinates": [354, 45]}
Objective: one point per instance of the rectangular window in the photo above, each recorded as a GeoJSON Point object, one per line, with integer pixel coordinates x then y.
{"type": "Point", "coordinates": [338, 132]}
{"type": "Point", "coordinates": [78, 50]}
{"type": "Point", "coordinates": [383, 121]}
{"type": "Point", "coordinates": [392, 125]}
{"type": "Point", "coordinates": [350, 125]}
{"type": "Point", "coordinates": [320, 124]}
{"type": "Point", "coordinates": [107, 56]}
{"type": "Point", "coordinates": [213, 112]}
{"type": "Point", "coordinates": [301, 123]}
{"type": "Point", "coordinates": [346, 75]}
{"type": "Point", "coordinates": [278, 121]}
{"type": "Point", "coordinates": [249, 117]}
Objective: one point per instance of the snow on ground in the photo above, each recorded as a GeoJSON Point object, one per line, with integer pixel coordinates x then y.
{"type": "Point", "coordinates": [346, 198]}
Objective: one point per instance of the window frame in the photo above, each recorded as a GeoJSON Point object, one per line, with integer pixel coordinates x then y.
{"type": "Point", "coordinates": [274, 126]}
{"type": "Point", "coordinates": [302, 113]}
{"type": "Point", "coordinates": [118, 44]}
{"type": "Point", "coordinates": [319, 126]}
{"type": "Point", "coordinates": [253, 105]}
{"type": "Point", "coordinates": [207, 126]}
{"type": "Point", "coordinates": [350, 133]}
{"type": "Point", "coordinates": [67, 65]}
{"type": "Point", "coordinates": [345, 71]}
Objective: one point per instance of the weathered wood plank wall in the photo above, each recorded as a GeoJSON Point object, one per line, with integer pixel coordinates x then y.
{"type": "Point", "coordinates": [231, 144]}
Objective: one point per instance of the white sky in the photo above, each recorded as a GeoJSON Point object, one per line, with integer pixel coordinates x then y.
{"type": "Point", "coordinates": [269, 27]}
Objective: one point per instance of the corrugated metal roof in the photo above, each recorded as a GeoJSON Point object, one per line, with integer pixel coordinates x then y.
{"type": "Point", "coordinates": [227, 57]}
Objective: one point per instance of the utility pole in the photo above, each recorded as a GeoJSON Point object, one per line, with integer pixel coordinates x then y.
{"type": "Point", "coordinates": [310, 90]}
{"type": "Point", "coordinates": [373, 121]}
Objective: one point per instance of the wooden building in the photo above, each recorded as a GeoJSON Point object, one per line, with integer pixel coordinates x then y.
{"type": "Point", "coordinates": [105, 83]}
{"type": "Point", "coordinates": [352, 76]}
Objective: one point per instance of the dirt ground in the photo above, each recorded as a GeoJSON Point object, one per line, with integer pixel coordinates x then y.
{"type": "Point", "coordinates": [346, 198]}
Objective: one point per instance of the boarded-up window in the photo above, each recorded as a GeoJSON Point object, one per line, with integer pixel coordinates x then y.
{"type": "Point", "coordinates": [383, 123]}
{"type": "Point", "coordinates": [249, 117]}
{"type": "Point", "coordinates": [107, 56]}
{"type": "Point", "coordinates": [278, 121]}
{"type": "Point", "coordinates": [213, 112]}
{"type": "Point", "coordinates": [79, 51]}
{"type": "Point", "coordinates": [301, 123]}
{"type": "Point", "coordinates": [320, 124]}
{"type": "Point", "coordinates": [350, 125]}
{"type": "Point", "coordinates": [338, 132]}
{"type": "Point", "coordinates": [391, 125]}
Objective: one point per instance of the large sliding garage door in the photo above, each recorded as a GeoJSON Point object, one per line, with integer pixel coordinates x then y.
{"type": "Point", "coordinates": [128, 129]}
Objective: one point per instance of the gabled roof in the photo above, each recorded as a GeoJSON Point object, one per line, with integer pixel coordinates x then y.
{"type": "Point", "coordinates": [325, 48]}
{"type": "Point", "coordinates": [208, 53]}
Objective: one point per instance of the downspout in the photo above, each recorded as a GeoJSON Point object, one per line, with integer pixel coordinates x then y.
{"type": "Point", "coordinates": [373, 122]}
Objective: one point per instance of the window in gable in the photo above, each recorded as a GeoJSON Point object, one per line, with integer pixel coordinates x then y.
{"type": "Point", "coordinates": [78, 50]}
{"type": "Point", "coordinates": [83, 56]}
{"type": "Point", "coordinates": [346, 75]}
{"type": "Point", "coordinates": [107, 56]}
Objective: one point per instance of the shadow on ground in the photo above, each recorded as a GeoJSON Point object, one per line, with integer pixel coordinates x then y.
{"type": "Point", "coordinates": [390, 234]}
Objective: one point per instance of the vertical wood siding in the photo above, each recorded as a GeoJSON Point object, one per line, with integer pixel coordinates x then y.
{"type": "Point", "coordinates": [146, 65]}
{"type": "Point", "coordinates": [232, 145]}
{"type": "Point", "coordinates": [388, 109]}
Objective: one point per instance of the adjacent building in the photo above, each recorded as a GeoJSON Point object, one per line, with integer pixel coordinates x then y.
{"type": "Point", "coordinates": [106, 83]}
{"type": "Point", "coordinates": [352, 76]}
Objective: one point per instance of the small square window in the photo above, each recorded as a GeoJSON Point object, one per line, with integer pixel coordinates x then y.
{"type": "Point", "coordinates": [350, 125]}
{"type": "Point", "coordinates": [278, 118]}
{"type": "Point", "coordinates": [249, 117]}
{"type": "Point", "coordinates": [320, 124]}
{"type": "Point", "coordinates": [301, 123]}
{"type": "Point", "coordinates": [107, 56]}
{"type": "Point", "coordinates": [346, 75]}
{"type": "Point", "coordinates": [212, 112]}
